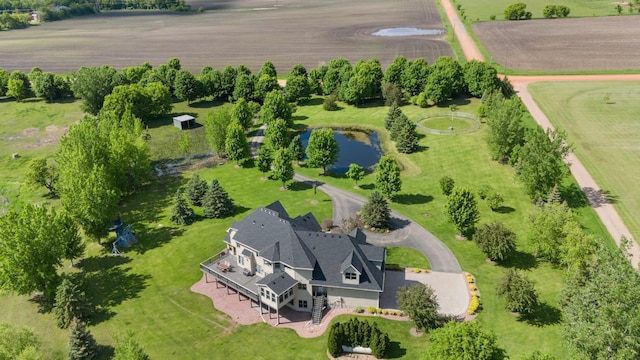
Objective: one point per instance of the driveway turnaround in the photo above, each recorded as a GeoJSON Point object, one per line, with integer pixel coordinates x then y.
{"type": "Point", "coordinates": [445, 277]}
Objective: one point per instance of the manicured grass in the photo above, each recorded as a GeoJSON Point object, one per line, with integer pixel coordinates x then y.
{"type": "Point", "coordinates": [443, 123]}
{"type": "Point", "coordinates": [605, 135]}
{"type": "Point", "coordinates": [466, 159]}
{"type": "Point", "coordinates": [147, 290]}
{"type": "Point", "coordinates": [484, 9]}
{"type": "Point", "coordinates": [406, 257]}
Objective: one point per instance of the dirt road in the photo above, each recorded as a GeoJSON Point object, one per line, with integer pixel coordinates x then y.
{"type": "Point", "coordinates": [605, 210]}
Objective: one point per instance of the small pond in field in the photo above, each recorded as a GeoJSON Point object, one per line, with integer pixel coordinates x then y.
{"type": "Point", "coordinates": [404, 31]}
{"type": "Point", "coordinates": [356, 146]}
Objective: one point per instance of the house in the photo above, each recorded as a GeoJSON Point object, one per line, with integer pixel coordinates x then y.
{"type": "Point", "coordinates": [279, 261]}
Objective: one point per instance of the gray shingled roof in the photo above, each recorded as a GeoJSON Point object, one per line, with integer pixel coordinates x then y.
{"type": "Point", "coordinates": [278, 282]}
{"type": "Point", "coordinates": [300, 244]}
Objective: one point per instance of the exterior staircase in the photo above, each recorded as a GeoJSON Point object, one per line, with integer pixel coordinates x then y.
{"type": "Point", "coordinates": [316, 312]}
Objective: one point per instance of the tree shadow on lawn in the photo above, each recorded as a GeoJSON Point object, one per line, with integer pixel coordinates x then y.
{"type": "Point", "coordinates": [504, 210]}
{"type": "Point", "coordinates": [205, 104]}
{"type": "Point", "coordinates": [412, 199]}
{"type": "Point", "coordinates": [456, 101]}
{"type": "Point", "coordinates": [108, 283]}
{"type": "Point", "coordinates": [574, 196]}
{"type": "Point", "coordinates": [153, 237]}
{"type": "Point", "coordinates": [543, 315]}
{"type": "Point", "coordinates": [520, 260]}
{"type": "Point", "coordinates": [299, 118]}
{"type": "Point", "coordinates": [367, 186]}
{"type": "Point", "coordinates": [312, 102]}
{"type": "Point", "coordinates": [394, 351]}
{"type": "Point", "coordinates": [147, 205]}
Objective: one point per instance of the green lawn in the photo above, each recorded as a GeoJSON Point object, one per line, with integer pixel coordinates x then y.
{"type": "Point", "coordinates": [605, 135]}
{"type": "Point", "coordinates": [407, 257]}
{"type": "Point", "coordinates": [147, 290]}
{"type": "Point", "coordinates": [482, 10]}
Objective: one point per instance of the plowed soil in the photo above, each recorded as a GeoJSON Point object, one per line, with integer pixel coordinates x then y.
{"type": "Point", "coordinates": [309, 32]}
{"type": "Point", "coordinates": [605, 43]}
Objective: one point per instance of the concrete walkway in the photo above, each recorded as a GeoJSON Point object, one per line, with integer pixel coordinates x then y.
{"type": "Point", "coordinates": [603, 207]}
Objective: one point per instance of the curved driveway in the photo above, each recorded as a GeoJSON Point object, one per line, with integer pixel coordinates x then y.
{"type": "Point", "coordinates": [605, 210]}
{"type": "Point", "coordinates": [407, 233]}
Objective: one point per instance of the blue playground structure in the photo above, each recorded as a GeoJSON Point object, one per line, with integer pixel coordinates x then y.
{"type": "Point", "coordinates": [124, 236]}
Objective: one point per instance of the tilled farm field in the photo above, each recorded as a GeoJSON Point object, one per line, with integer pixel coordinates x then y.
{"type": "Point", "coordinates": [231, 33]}
{"type": "Point", "coordinates": [581, 44]}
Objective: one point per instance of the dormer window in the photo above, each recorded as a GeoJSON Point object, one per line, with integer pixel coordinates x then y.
{"type": "Point", "coordinates": [350, 275]}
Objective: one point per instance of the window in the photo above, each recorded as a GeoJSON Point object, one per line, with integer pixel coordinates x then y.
{"type": "Point", "coordinates": [262, 292]}
{"type": "Point", "coordinates": [280, 298]}
{"type": "Point", "coordinates": [350, 276]}
{"type": "Point", "coordinates": [291, 292]}
{"type": "Point", "coordinates": [240, 260]}
{"type": "Point", "coordinates": [259, 268]}
{"type": "Point", "coordinates": [276, 267]}
{"type": "Point", "coordinates": [302, 286]}
{"type": "Point", "coordinates": [286, 295]}
{"type": "Point", "coordinates": [302, 304]}
{"type": "Point", "coordinates": [273, 297]}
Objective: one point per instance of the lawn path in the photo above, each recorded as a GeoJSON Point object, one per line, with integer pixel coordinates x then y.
{"type": "Point", "coordinates": [603, 207]}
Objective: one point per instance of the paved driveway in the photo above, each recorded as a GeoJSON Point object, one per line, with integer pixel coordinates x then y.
{"type": "Point", "coordinates": [452, 298]}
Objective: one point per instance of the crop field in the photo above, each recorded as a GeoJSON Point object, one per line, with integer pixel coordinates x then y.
{"type": "Point", "coordinates": [605, 135]}
{"type": "Point", "coordinates": [479, 10]}
{"type": "Point", "coordinates": [232, 33]}
{"type": "Point", "coordinates": [584, 44]}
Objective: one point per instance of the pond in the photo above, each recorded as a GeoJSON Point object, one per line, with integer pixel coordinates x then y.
{"type": "Point", "coordinates": [403, 31]}
{"type": "Point", "coordinates": [356, 146]}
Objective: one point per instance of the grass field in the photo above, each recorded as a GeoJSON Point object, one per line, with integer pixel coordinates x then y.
{"type": "Point", "coordinates": [605, 135]}
{"type": "Point", "coordinates": [483, 10]}
{"type": "Point", "coordinates": [147, 290]}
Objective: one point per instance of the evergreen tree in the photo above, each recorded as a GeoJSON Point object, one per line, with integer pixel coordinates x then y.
{"type": "Point", "coordinates": [82, 345]}
{"type": "Point", "coordinates": [518, 291]}
{"type": "Point", "coordinates": [217, 203]}
{"type": "Point", "coordinates": [399, 123]}
{"type": "Point", "coordinates": [334, 345]}
{"type": "Point", "coordinates": [282, 167]}
{"type": "Point", "coordinates": [127, 348]}
{"type": "Point", "coordinates": [555, 197]}
{"type": "Point", "coordinates": [182, 213]}
{"type": "Point", "coordinates": [264, 159]}
{"type": "Point", "coordinates": [70, 303]}
{"type": "Point", "coordinates": [393, 113]}
{"type": "Point", "coordinates": [407, 139]}
{"type": "Point", "coordinates": [388, 179]}
{"type": "Point", "coordinates": [375, 212]}
{"type": "Point", "coordinates": [295, 149]}
{"type": "Point", "coordinates": [195, 190]}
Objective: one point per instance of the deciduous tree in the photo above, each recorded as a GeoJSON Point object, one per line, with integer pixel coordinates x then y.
{"type": "Point", "coordinates": [462, 209]}
{"type": "Point", "coordinates": [506, 129]}
{"type": "Point", "coordinates": [216, 129]}
{"type": "Point", "coordinates": [275, 107]}
{"type": "Point", "coordinates": [33, 243]}
{"type": "Point", "coordinates": [16, 343]}
{"type": "Point", "coordinates": [93, 84]}
{"type": "Point", "coordinates": [355, 173]}
{"type": "Point", "coordinates": [42, 173]}
{"type": "Point", "coordinates": [264, 159]}
{"type": "Point", "coordinates": [276, 135]}
{"type": "Point", "coordinates": [446, 185]}
{"type": "Point", "coordinates": [282, 169]}
{"type": "Point", "coordinates": [388, 180]}
{"type": "Point", "coordinates": [242, 113]}
{"type": "Point", "coordinates": [495, 240]}
{"type": "Point", "coordinates": [541, 161]}
{"type": "Point", "coordinates": [517, 11]}
{"type": "Point", "coordinates": [187, 87]}
{"type": "Point", "coordinates": [236, 145]}
{"type": "Point", "coordinates": [18, 85]}
{"type": "Point", "coordinates": [322, 149]}
{"type": "Point", "coordinates": [421, 304]}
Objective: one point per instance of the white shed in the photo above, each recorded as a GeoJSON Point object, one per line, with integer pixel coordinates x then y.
{"type": "Point", "coordinates": [184, 122]}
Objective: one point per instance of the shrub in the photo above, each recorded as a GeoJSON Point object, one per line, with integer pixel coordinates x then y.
{"type": "Point", "coordinates": [446, 185]}
{"type": "Point", "coordinates": [380, 311]}
{"type": "Point", "coordinates": [495, 240]}
{"type": "Point", "coordinates": [474, 304]}
{"type": "Point", "coordinates": [483, 191]}
{"type": "Point", "coordinates": [359, 309]}
{"type": "Point", "coordinates": [492, 17]}
{"type": "Point", "coordinates": [385, 312]}
{"type": "Point", "coordinates": [469, 279]}
{"type": "Point", "coordinates": [517, 11]}
{"type": "Point", "coordinates": [416, 270]}
{"type": "Point", "coordinates": [494, 200]}
{"type": "Point", "coordinates": [518, 291]}
{"type": "Point", "coordinates": [422, 100]}
{"type": "Point", "coordinates": [472, 287]}
{"type": "Point", "coordinates": [330, 103]}
{"type": "Point", "coordinates": [371, 310]}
